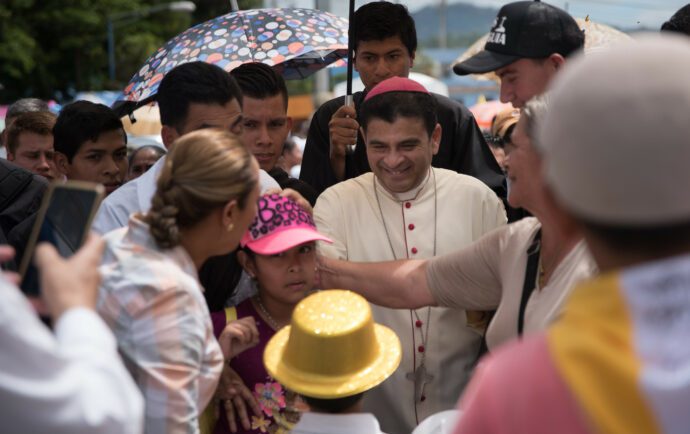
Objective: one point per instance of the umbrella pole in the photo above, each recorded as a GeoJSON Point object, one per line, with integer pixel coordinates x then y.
{"type": "Point", "coordinates": [350, 52]}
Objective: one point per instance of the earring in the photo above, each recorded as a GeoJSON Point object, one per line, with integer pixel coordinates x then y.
{"type": "Point", "coordinates": [230, 227]}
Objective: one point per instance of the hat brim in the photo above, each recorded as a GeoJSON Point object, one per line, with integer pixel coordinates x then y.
{"type": "Point", "coordinates": [484, 61]}
{"type": "Point", "coordinates": [285, 240]}
{"type": "Point", "coordinates": [326, 387]}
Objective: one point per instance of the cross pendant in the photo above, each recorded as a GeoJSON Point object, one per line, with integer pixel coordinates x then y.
{"type": "Point", "coordinates": [420, 378]}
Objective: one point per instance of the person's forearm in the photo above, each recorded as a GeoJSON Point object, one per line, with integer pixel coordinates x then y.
{"type": "Point", "coordinates": [394, 284]}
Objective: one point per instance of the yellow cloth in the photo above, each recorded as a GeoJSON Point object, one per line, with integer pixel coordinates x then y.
{"type": "Point", "coordinates": [602, 372]}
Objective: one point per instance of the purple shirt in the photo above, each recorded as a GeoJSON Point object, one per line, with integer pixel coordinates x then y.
{"type": "Point", "coordinates": [281, 408]}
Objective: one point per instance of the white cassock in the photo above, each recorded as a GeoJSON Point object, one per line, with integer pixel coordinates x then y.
{"type": "Point", "coordinates": [445, 213]}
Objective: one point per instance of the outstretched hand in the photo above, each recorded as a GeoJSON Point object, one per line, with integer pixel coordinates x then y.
{"type": "Point", "coordinates": [294, 195]}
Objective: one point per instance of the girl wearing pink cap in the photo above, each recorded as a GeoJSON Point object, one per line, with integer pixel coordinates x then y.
{"type": "Point", "coordinates": [279, 254]}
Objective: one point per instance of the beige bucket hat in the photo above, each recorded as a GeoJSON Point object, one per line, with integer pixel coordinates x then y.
{"type": "Point", "coordinates": [616, 137]}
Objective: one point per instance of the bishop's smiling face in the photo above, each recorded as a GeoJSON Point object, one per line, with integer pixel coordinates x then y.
{"type": "Point", "coordinates": [400, 153]}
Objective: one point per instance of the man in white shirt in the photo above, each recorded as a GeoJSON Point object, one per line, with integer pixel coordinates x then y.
{"type": "Point", "coordinates": [72, 381]}
{"type": "Point", "coordinates": [191, 96]}
{"type": "Point", "coordinates": [407, 209]}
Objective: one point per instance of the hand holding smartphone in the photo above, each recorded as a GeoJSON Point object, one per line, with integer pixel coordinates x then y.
{"type": "Point", "coordinates": [63, 220]}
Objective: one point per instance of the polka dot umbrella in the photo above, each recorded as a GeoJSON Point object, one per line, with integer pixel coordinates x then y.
{"type": "Point", "coordinates": [297, 42]}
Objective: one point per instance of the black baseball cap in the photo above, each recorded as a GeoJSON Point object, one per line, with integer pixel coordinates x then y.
{"type": "Point", "coordinates": [525, 29]}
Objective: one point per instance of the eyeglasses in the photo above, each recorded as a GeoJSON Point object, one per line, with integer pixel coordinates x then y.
{"type": "Point", "coordinates": [498, 141]}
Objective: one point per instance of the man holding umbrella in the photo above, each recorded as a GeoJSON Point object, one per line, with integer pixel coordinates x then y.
{"type": "Point", "coordinates": [385, 41]}
{"type": "Point", "coordinates": [528, 44]}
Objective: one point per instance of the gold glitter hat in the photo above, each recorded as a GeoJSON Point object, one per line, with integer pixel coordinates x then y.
{"type": "Point", "coordinates": [332, 348]}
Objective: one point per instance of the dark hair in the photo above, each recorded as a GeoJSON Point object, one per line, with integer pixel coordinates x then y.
{"type": "Point", "coordinates": [679, 22]}
{"type": "Point", "coordinates": [156, 149]}
{"type": "Point", "coordinates": [193, 82]}
{"type": "Point", "coordinates": [40, 123]}
{"type": "Point", "coordinates": [25, 105]}
{"type": "Point", "coordinates": [655, 241]}
{"type": "Point", "coordinates": [391, 105]}
{"type": "Point", "coordinates": [333, 406]}
{"type": "Point", "coordinates": [260, 81]}
{"type": "Point", "coordinates": [83, 121]}
{"type": "Point", "coordinates": [380, 20]}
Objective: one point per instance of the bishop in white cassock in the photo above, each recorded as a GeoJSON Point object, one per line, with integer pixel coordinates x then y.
{"type": "Point", "coordinates": [367, 223]}
{"type": "Point", "coordinates": [407, 209]}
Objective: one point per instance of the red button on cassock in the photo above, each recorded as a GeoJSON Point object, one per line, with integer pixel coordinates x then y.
{"type": "Point", "coordinates": [408, 205]}
{"type": "Point", "coordinates": [418, 323]}
{"type": "Point", "coordinates": [410, 227]}
{"type": "Point", "coordinates": [414, 250]}
{"type": "Point", "coordinates": [420, 348]}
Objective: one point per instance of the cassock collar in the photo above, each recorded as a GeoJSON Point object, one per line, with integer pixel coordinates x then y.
{"type": "Point", "coordinates": [416, 193]}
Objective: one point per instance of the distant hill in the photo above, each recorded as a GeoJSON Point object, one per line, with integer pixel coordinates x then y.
{"type": "Point", "coordinates": [464, 23]}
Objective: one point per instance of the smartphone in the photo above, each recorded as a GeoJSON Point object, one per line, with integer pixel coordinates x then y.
{"type": "Point", "coordinates": [63, 220]}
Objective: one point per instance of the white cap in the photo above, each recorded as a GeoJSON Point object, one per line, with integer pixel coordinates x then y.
{"type": "Point", "coordinates": [617, 135]}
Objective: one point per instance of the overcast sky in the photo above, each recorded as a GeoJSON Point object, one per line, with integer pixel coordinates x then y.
{"type": "Point", "coordinates": [621, 13]}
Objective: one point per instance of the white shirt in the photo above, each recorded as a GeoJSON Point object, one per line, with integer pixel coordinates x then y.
{"type": "Point", "coordinates": [70, 382]}
{"type": "Point", "coordinates": [135, 196]}
{"type": "Point", "coordinates": [322, 423]}
{"type": "Point", "coordinates": [465, 209]}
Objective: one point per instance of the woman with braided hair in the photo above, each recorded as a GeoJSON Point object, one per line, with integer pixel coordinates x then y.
{"type": "Point", "coordinates": [150, 295]}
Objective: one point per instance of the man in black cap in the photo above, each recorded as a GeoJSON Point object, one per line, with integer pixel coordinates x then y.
{"type": "Point", "coordinates": [528, 44]}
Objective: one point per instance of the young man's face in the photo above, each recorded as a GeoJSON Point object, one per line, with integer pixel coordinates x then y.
{"type": "Point", "coordinates": [524, 79]}
{"type": "Point", "coordinates": [265, 127]}
{"type": "Point", "coordinates": [400, 153]}
{"type": "Point", "coordinates": [35, 153]}
{"type": "Point", "coordinates": [378, 60]}
{"type": "Point", "coordinates": [226, 116]}
{"type": "Point", "coordinates": [103, 161]}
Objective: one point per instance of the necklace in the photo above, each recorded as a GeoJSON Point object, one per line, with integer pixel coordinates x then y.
{"type": "Point", "coordinates": [552, 265]}
{"type": "Point", "coordinates": [419, 374]}
{"type": "Point", "coordinates": [269, 319]}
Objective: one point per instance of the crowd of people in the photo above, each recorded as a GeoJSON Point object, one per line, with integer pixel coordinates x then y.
{"type": "Point", "coordinates": [535, 280]}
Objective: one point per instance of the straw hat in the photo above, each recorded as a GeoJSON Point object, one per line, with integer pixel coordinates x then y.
{"type": "Point", "coordinates": [333, 348]}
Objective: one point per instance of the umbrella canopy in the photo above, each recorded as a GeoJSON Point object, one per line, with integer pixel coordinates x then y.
{"type": "Point", "coordinates": [597, 36]}
{"type": "Point", "coordinates": [297, 42]}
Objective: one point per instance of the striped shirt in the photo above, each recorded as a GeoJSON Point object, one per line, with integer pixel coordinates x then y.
{"type": "Point", "coordinates": [152, 300]}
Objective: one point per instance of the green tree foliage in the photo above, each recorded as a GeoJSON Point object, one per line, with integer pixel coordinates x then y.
{"type": "Point", "coordinates": [52, 48]}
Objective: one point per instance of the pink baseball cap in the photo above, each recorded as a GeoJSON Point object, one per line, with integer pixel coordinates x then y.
{"type": "Point", "coordinates": [395, 84]}
{"type": "Point", "coordinates": [279, 225]}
